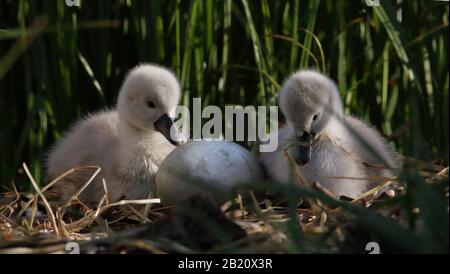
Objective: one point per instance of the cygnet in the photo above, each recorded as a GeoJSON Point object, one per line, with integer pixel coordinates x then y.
{"type": "Point", "coordinates": [340, 152]}
{"type": "Point", "coordinates": [128, 143]}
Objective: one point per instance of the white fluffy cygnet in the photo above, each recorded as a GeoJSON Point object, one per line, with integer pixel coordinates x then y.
{"type": "Point", "coordinates": [128, 143]}
{"type": "Point", "coordinates": [201, 166]}
{"type": "Point", "coordinates": [340, 152]}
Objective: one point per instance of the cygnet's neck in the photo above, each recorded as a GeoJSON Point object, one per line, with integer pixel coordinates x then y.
{"type": "Point", "coordinates": [130, 135]}
{"type": "Point", "coordinates": [336, 128]}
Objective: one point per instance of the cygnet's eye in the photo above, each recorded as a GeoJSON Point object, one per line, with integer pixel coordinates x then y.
{"type": "Point", "coordinates": [150, 104]}
{"type": "Point", "coordinates": [316, 116]}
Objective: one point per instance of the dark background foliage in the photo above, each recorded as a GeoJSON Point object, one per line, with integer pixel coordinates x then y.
{"type": "Point", "coordinates": [58, 63]}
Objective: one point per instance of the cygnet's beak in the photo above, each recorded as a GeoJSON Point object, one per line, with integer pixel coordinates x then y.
{"type": "Point", "coordinates": [163, 125]}
{"type": "Point", "coordinates": [303, 154]}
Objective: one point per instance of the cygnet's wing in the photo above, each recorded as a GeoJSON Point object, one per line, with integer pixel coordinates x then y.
{"type": "Point", "coordinates": [87, 143]}
{"type": "Point", "coordinates": [90, 142]}
{"type": "Point", "coordinates": [376, 165]}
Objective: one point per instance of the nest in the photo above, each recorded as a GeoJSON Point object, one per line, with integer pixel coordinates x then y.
{"type": "Point", "coordinates": [35, 222]}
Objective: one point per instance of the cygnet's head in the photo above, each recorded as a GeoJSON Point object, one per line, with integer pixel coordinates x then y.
{"type": "Point", "coordinates": [309, 100]}
{"type": "Point", "coordinates": [148, 98]}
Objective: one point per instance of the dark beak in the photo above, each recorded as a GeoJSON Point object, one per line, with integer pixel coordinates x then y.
{"type": "Point", "coordinates": [303, 154]}
{"type": "Point", "coordinates": [163, 125]}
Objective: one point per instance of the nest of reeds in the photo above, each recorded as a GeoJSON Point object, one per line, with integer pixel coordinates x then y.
{"type": "Point", "coordinates": [34, 222]}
